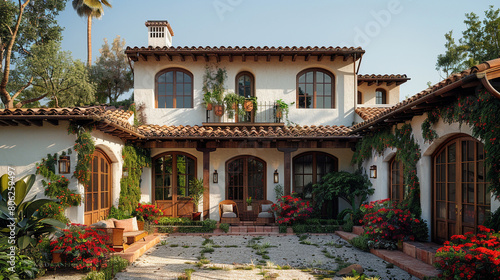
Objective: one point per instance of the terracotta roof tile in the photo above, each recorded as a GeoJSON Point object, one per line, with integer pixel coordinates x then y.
{"type": "Point", "coordinates": [184, 132]}
{"type": "Point", "coordinates": [369, 112]}
{"type": "Point", "coordinates": [383, 77]}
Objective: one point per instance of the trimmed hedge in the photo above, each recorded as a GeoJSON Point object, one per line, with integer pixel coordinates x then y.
{"type": "Point", "coordinates": [185, 225]}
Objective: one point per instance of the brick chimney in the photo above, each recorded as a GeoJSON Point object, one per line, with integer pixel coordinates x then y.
{"type": "Point", "coordinates": [159, 33]}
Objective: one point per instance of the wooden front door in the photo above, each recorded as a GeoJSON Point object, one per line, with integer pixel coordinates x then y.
{"type": "Point", "coordinates": [246, 177]}
{"type": "Point", "coordinates": [98, 192]}
{"type": "Point", "coordinates": [460, 199]}
{"type": "Point", "coordinates": [172, 173]}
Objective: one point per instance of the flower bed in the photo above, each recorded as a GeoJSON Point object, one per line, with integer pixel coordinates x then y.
{"type": "Point", "coordinates": [148, 212]}
{"type": "Point", "coordinates": [291, 209]}
{"type": "Point", "coordinates": [385, 224]}
{"type": "Point", "coordinates": [185, 225]}
{"type": "Point", "coordinates": [470, 256]}
{"type": "Point", "coordinates": [82, 247]}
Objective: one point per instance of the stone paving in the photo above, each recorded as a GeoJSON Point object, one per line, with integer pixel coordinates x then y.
{"type": "Point", "coordinates": [233, 259]}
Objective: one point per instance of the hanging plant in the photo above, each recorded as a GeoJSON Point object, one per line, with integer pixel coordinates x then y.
{"type": "Point", "coordinates": [84, 147]}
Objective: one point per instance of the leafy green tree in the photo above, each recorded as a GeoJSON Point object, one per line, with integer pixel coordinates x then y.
{"type": "Point", "coordinates": [112, 73]}
{"type": "Point", "coordinates": [480, 42]}
{"type": "Point", "coordinates": [22, 25]}
{"type": "Point", "coordinates": [56, 76]}
{"type": "Point", "coordinates": [90, 9]}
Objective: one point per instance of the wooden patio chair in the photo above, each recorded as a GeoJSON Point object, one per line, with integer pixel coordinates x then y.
{"type": "Point", "coordinates": [228, 212]}
{"type": "Point", "coordinates": [266, 215]}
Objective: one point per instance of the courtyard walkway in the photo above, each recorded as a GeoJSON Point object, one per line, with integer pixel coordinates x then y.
{"type": "Point", "coordinates": [248, 257]}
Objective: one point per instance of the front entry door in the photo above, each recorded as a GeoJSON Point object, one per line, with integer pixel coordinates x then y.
{"type": "Point", "coordinates": [461, 201]}
{"type": "Point", "coordinates": [172, 173]}
{"type": "Point", "coordinates": [98, 192]}
{"type": "Point", "coordinates": [246, 177]}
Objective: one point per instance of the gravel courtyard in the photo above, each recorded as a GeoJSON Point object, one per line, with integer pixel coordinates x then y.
{"type": "Point", "coordinates": [246, 257]}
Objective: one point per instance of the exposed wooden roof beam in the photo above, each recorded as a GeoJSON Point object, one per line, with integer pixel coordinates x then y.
{"type": "Point", "coordinates": [217, 57]}
{"type": "Point", "coordinates": [2, 123]}
{"type": "Point", "coordinates": [346, 57]}
{"type": "Point", "coordinates": [195, 58]}
{"type": "Point", "coordinates": [243, 57]}
{"type": "Point", "coordinates": [281, 57]}
{"type": "Point", "coordinates": [10, 122]}
{"type": "Point", "coordinates": [294, 57]}
{"type": "Point", "coordinates": [256, 58]}
{"type": "Point", "coordinates": [157, 57]}
{"type": "Point", "coordinates": [390, 83]}
{"type": "Point", "coordinates": [144, 57]}
{"type": "Point", "coordinates": [182, 57]}
{"type": "Point", "coordinates": [307, 57]}
{"type": "Point", "coordinates": [268, 57]}
{"type": "Point", "coordinates": [169, 57]}
{"type": "Point", "coordinates": [207, 59]}
{"type": "Point", "coordinates": [332, 57]}
{"type": "Point", "coordinates": [320, 57]}
{"type": "Point", "coordinates": [52, 122]}
{"type": "Point", "coordinates": [230, 58]}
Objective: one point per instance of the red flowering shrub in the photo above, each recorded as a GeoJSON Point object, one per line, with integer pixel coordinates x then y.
{"type": "Point", "coordinates": [148, 212]}
{"type": "Point", "coordinates": [82, 247]}
{"type": "Point", "coordinates": [470, 256]}
{"type": "Point", "coordinates": [384, 221]}
{"type": "Point", "coordinates": [290, 209]}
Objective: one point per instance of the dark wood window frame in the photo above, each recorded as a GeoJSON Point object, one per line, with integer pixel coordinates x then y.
{"type": "Point", "coordinates": [314, 83]}
{"type": "Point", "coordinates": [456, 224]}
{"type": "Point", "coordinates": [360, 97]}
{"type": "Point", "coordinates": [100, 205]}
{"type": "Point", "coordinates": [400, 186]}
{"type": "Point", "coordinates": [382, 98]}
{"type": "Point", "coordinates": [174, 89]}
{"type": "Point", "coordinates": [245, 178]}
{"type": "Point", "coordinates": [174, 155]}
{"type": "Point", "coordinates": [314, 173]}
{"type": "Point", "coordinates": [252, 82]}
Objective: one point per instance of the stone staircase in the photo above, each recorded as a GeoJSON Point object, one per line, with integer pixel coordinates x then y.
{"type": "Point", "coordinates": [253, 230]}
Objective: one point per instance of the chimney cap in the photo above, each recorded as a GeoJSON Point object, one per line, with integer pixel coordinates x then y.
{"type": "Point", "coordinates": [160, 23]}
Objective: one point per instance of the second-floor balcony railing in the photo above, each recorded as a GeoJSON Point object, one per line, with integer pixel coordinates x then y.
{"type": "Point", "coordinates": [265, 113]}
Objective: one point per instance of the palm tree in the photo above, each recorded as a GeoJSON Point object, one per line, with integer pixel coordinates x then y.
{"type": "Point", "coordinates": [90, 9]}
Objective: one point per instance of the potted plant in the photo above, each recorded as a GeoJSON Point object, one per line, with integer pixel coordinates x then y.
{"type": "Point", "coordinates": [196, 193]}
{"type": "Point", "coordinates": [250, 104]}
{"type": "Point", "coordinates": [249, 203]}
{"type": "Point", "coordinates": [208, 100]}
{"type": "Point", "coordinates": [213, 87]}
{"type": "Point", "coordinates": [232, 102]}
{"type": "Point", "coordinates": [282, 107]}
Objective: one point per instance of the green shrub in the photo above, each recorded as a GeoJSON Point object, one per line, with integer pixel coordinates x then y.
{"type": "Point", "coordinates": [282, 229]}
{"type": "Point", "coordinates": [186, 225]}
{"type": "Point", "coordinates": [115, 265]}
{"type": "Point", "coordinates": [347, 226]}
{"type": "Point", "coordinates": [94, 275]}
{"type": "Point", "coordinates": [224, 227]}
{"type": "Point", "coordinates": [360, 242]}
{"type": "Point", "coordinates": [493, 221]}
{"type": "Point", "coordinates": [118, 213]}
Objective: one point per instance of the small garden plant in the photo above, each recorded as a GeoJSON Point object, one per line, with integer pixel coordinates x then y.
{"type": "Point", "coordinates": [291, 209]}
{"type": "Point", "coordinates": [148, 212]}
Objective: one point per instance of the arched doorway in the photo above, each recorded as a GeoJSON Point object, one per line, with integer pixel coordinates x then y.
{"type": "Point", "coordinates": [172, 173]}
{"type": "Point", "coordinates": [461, 201]}
{"type": "Point", "coordinates": [246, 177]}
{"type": "Point", "coordinates": [98, 191]}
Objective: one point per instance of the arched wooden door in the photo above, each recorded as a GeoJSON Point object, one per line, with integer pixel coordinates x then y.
{"type": "Point", "coordinates": [98, 192]}
{"type": "Point", "coordinates": [246, 177]}
{"type": "Point", "coordinates": [460, 198]}
{"type": "Point", "coordinates": [172, 174]}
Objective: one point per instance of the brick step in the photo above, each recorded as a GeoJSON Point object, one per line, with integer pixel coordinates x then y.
{"type": "Point", "coordinates": [254, 229]}
{"type": "Point", "coordinates": [359, 230]}
{"type": "Point", "coordinates": [138, 248]}
{"type": "Point", "coordinates": [422, 251]}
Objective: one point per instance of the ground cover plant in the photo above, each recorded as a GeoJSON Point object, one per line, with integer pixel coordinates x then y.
{"type": "Point", "coordinates": [185, 225]}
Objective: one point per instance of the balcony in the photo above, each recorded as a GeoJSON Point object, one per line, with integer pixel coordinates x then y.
{"type": "Point", "coordinates": [266, 114]}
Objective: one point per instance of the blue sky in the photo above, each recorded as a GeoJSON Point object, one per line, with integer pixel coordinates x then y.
{"type": "Point", "coordinates": [399, 36]}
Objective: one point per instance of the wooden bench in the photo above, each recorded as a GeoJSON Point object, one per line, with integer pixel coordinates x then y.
{"type": "Point", "coordinates": [119, 239]}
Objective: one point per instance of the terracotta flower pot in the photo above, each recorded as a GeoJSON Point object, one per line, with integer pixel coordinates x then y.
{"type": "Point", "coordinates": [248, 105]}
{"type": "Point", "coordinates": [279, 114]}
{"type": "Point", "coordinates": [56, 257]}
{"type": "Point", "coordinates": [209, 106]}
{"type": "Point", "coordinates": [196, 216]}
{"type": "Point", "coordinates": [219, 110]}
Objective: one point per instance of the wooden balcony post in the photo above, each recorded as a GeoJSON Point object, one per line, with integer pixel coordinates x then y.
{"type": "Point", "coordinates": [206, 180]}
{"type": "Point", "coordinates": [287, 166]}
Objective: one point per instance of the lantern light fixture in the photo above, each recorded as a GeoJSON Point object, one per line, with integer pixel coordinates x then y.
{"type": "Point", "coordinates": [373, 171]}
{"type": "Point", "coordinates": [216, 177]}
{"type": "Point", "coordinates": [276, 176]}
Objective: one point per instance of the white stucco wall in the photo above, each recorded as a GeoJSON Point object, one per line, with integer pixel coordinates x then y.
{"type": "Point", "coordinates": [368, 93]}
{"type": "Point", "coordinates": [272, 157]}
{"type": "Point", "coordinates": [273, 80]}
{"type": "Point", "coordinates": [22, 147]}
{"type": "Point", "coordinates": [424, 166]}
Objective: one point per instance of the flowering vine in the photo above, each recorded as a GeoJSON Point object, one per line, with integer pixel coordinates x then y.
{"type": "Point", "coordinates": [480, 112]}
{"type": "Point", "coordinates": [408, 152]}
{"type": "Point", "coordinates": [84, 147]}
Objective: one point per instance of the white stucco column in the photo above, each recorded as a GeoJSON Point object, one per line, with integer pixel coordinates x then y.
{"type": "Point", "coordinates": [424, 166]}
{"type": "Point", "coordinates": [146, 185]}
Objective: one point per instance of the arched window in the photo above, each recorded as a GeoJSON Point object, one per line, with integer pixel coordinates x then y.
{"type": "Point", "coordinates": [360, 97]}
{"type": "Point", "coordinates": [174, 89]}
{"type": "Point", "coordinates": [309, 168]}
{"type": "Point", "coordinates": [396, 186]}
{"type": "Point", "coordinates": [315, 89]}
{"type": "Point", "coordinates": [245, 84]}
{"type": "Point", "coordinates": [380, 96]}
{"type": "Point", "coordinates": [98, 191]}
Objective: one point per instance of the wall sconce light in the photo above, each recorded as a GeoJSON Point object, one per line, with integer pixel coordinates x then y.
{"type": "Point", "coordinates": [373, 171]}
{"type": "Point", "coordinates": [64, 165]}
{"type": "Point", "coordinates": [216, 177]}
{"type": "Point", "coordinates": [276, 176]}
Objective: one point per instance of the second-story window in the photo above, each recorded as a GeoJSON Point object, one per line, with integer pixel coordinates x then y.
{"type": "Point", "coordinates": [380, 96]}
{"type": "Point", "coordinates": [245, 84]}
{"type": "Point", "coordinates": [315, 89]}
{"type": "Point", "coordinates": [174, 89]}
{"type": "Point", "coordinates": [360, 97]}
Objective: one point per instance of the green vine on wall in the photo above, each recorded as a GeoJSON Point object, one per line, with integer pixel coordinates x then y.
{"type": "Point", "coordinates": [56, 186]}
{"type": "Point", "coordinates": [134, 160]}
{"type": "Point", "coordinates": [408, 152]}
{"type": "Point", "coordinates": [84, 147]}
{"type": "Point", "coordinates": [481, 113]}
